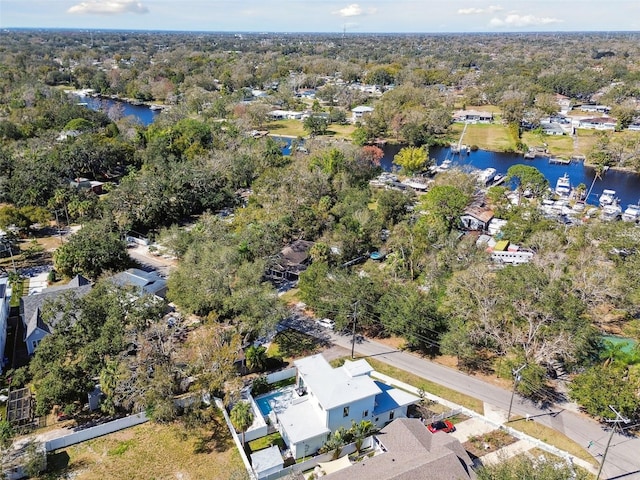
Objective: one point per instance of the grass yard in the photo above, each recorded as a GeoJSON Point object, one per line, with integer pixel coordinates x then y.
{"type": "Point", "coordinates": [552, 437]}
{"type": "Point", "coordinates": [494, 137]}
{"type": "Point", "coordinates": [152, 451]}
{"type": "Point", "coordinates": [266, 442]}
{"type": "Point", "coordinates": [295, 128]}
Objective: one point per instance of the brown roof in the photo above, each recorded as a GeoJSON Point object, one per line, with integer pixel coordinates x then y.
{"type": "Point", "coordinates": [412, 453]}
{"type": "Point", "coordinates": [483, 214]}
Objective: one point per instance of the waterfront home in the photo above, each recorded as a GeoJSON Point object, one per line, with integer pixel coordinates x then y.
{"type": "Point", "coordinates": [598, 123]}
{"type": "Point", "coordinates": [472, 116]}
{"type": "Point", "coordinates": [329, 398]}
{"type": "Point", "coordinates": [359, 112]}
{"type": "Point", "coordinates": [476, 218]}
{"type": "Point", "coordinates": [285, 115]}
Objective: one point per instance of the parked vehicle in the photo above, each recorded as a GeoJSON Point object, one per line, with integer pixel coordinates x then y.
{"type": "Point", "coordinates": [441, 426]}
{"type": "Point", "coordinates": [326, 323]}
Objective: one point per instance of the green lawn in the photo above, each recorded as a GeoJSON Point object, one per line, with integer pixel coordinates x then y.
{"type": "Point", "coordinates": [295, 128]}
{"type": "Point", "coordinates": [265, 442]}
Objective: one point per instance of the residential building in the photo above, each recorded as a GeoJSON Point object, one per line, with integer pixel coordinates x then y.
{"type": "Point", "coordinates": [411, 452]}
{"type": "Point", "coordinates": [472, 116]}
{"type": "Point", "coordinates": [144, 282]}
{"type": "Point", "coordinates": [598, 123]}
{"type": "Point", "coordinates": [476, 218]}
{"type": "Point", "coordinates": [335, 397]}
{"type": "Point", "coordinates": [5, 298]}
{"type": "Point", "coordinates": [31, 309]}
{"type": "Point", "coordinates": [359, 112]}
{"type": "Point", "coordinates": [291, 262]}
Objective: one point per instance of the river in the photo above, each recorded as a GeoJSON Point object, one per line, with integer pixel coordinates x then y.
{"type": "Point", "coordinates": [626, 185]}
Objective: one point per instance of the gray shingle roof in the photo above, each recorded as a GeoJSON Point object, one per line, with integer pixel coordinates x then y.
{"type": "Point", "coordinates": [412, 453]}
{"type": "Point", "coordinates": [31, 305]}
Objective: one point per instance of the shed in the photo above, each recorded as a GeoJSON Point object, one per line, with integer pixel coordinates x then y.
{"type": "Point", "coordinates": [267, 462]}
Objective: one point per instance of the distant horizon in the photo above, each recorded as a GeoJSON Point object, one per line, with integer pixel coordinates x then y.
{"type": "Point", "coordinates": [303, 32]}
{"type": "Point", "coordinates": [325, 16]}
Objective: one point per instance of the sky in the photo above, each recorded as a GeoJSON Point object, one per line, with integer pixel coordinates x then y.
{"type": "Point", "coordinates": [351, 16]}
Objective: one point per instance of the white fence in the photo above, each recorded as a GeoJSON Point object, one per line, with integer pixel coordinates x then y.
{"type": "Point", "coordinates": [236, 439]}
{"type": "Point", "coordinates": [281, 375]}
{"type": "Point", "coordinates": [93, 432]}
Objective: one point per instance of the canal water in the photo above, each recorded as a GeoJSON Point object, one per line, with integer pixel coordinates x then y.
{"type": "Point", "coordinates": [626, 185]}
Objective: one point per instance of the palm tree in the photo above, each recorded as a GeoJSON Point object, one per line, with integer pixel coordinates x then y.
{"type": "Point", "coordinates": [241, 417]}
{"type": "Point", "coordinates": [360, 431]}
{"type": "Point", "coordinates": [256, 357]}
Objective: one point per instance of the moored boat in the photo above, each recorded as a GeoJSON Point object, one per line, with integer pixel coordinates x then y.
{"type": "Point", "coordinates": [631, 213]}
{"type": "Point", "coordinates": [563, 186]}
{"type": "Point", "coordinates": [608, 197]}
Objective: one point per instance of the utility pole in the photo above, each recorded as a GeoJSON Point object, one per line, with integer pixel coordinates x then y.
{"type": "Point", "coordinates": [516, 379]}
{"type": "Point", "coordinates": [355, 318]}
{"type": "Point", "coordinates": [619, 418]}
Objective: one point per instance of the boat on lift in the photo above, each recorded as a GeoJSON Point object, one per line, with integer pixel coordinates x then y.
{"type": "Point", "coordinates": [631, 214]}
{"type": "Point", "coordinates": [563, 186]}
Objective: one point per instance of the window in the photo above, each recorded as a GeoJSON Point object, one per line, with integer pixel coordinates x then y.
{"type": "Point", "coordinates": [345, 412]}
{"type": "Point", "coordinates": [391, 414]}
{"type": "Point", "coordinates": [365, 414]}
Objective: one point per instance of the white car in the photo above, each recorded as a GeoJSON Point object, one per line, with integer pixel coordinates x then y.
{"type": "Point", "coordinates": [326, 323]}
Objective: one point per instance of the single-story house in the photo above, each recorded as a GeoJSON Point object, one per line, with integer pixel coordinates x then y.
{"type": "Point", "coordinates": [86, 184]}
{"type": "Point", "coordinates": [285, 115]}
{"type": "Point", "coordinates": [476, 218]}
{"type": "Point", "coordinates": [359, 112]}
{"type": "Point", "coordinates": [411, 452]}
{"type": "Point", "coordinates": [472, 116]}
{"type": "Point", "coordinates": [31, 309]}
{"type": "Point", "coordinates": [595, 108]}
{"type": "Point", "coordinates": [598, 123]}
{"type": "Point", "coordinates": [549, 128]}
{"type": "Point", "coordinates": [145, 282]}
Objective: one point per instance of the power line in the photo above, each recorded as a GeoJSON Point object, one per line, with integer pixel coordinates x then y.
{"type": "Point", "coordinates": [616, 422]}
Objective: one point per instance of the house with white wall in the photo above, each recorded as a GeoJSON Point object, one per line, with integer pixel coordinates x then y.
{"type": "Point", "coordinates": [335, 397]}
{"type": "Point", "coordinates": [36, 326]}
{"type": "Point", "coordinates": [5, 298]}
{"type": "Point", "coordinates": [359, 112]}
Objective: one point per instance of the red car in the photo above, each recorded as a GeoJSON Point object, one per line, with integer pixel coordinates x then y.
{"type": "Point", "coordinates": [442, 426]}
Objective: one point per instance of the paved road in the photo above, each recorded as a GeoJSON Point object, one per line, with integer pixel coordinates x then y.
{"type": "Point", "coordinates": [623, 458]}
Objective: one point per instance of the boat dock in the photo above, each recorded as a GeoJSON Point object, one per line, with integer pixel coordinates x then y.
{"type": "Point", "coordinates": [559, 161]}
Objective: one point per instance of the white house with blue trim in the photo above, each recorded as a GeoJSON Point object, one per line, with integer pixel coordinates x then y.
{"type": "Point", "coordinates": [330, 398]}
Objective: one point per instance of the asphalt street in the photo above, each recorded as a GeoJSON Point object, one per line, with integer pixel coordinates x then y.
{"type": "Point", "coordinates": [623, 457]}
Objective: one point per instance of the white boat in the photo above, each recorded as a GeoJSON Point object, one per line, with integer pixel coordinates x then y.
{"type": "Point", "coordinates": [611, 212]}
{"type": "Point", "coordinates": [563, 186]}
{"type": "Point", "coordinates": [487, 175]}
{"type": "Point", "coordinates": [608, 197]}
{"type": "Point", "coordinates": [631, 214]}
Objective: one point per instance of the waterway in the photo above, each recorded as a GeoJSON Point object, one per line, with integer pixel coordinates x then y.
{"type": "Point", "coordinates": [626, 185]}
{"type": "Point", "coordinates": [143, 113]}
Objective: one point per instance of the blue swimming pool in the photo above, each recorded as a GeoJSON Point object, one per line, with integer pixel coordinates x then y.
{"type": "Point", "coordinates": [278, 400]}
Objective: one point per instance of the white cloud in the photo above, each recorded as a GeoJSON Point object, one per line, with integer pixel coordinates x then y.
{"type": "Point", "coordinates": [479, 11]}
{"type": "Point", "coordinates": [516, 20]}
{"type": "Point", "coordinates": [109, 7]}
{"type": "Point", "coordinates": [354, 10]}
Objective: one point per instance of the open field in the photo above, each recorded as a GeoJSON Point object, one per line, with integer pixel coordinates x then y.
{"type": "Point", "coordinates": [152, 451]}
